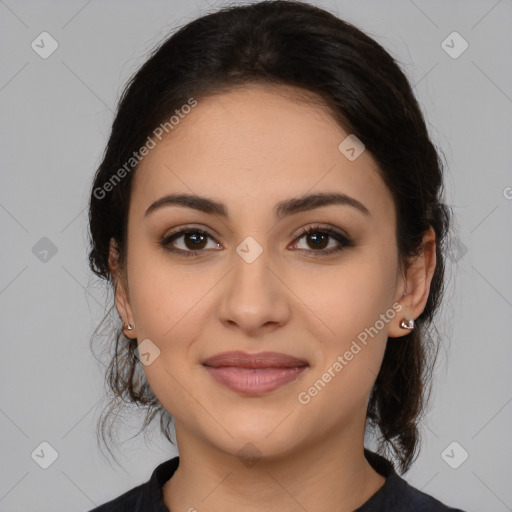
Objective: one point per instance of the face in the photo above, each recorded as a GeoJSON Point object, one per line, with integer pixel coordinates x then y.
{"type": "Point", "coordinates": [245, 277]}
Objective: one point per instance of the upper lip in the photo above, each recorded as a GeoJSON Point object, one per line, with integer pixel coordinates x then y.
{"type": "Point", "coordinates": [256, 360]}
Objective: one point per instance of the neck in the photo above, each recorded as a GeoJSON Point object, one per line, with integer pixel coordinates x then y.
{"type": "Point", "coordinates": [319, 477]}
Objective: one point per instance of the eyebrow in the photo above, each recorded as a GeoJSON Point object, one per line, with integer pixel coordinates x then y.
{"type": "Point", "coordinates": [281, 210]}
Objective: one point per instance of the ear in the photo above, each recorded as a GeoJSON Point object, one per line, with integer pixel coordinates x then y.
{"type": "Point", "coordinates": [121, 296]}
{"type": "Point", "coordinates": [416, 285]}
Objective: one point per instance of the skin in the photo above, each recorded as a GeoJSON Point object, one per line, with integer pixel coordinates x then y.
{"type": "Point", "coordinates": [249, 149]}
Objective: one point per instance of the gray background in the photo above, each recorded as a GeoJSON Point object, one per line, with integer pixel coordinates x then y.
{"type": "Point", "coordinates": [56, 115]}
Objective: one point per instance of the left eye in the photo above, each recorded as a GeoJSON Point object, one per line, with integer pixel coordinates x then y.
{"type": "Point", "coordinates": [319, 236]}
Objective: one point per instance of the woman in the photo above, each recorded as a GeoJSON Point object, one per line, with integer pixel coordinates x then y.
{"type": "Point", "coordinates": [269, 212]}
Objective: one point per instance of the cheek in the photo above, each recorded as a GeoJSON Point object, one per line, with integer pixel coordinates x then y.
{"type": "Point", "coordinates": [351, 297]}
{"type": "Point", "coordinates": [353, 308]}
{"type": "Point", "coordinates": [171, 306]}
{"type": "Point", "coordinates": [169, 312]}
{"type": "Point", "coordinates": [163, 295]}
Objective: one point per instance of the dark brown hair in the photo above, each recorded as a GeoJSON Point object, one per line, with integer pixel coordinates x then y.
{"type": "Point", "coordinates": [299, 45]}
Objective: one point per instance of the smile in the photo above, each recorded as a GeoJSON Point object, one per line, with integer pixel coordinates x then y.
{"type": "Point", "coordinates": [254, 381]}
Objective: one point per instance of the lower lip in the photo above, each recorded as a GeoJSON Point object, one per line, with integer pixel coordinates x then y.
{"type": "Point", "coordinates": [254, 381]}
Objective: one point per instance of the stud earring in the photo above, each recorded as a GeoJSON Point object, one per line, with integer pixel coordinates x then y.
{"type": "Point", "coordinates": [409, 325]}
{"type": "Point", "coordinates": [129, 327]}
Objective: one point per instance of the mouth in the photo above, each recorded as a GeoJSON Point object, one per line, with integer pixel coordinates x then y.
{"type": "Point", "coordinates": [254, 374]}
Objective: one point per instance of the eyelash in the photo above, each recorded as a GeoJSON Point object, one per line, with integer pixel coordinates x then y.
{"type": "Point", "coordinates": [342, 239]}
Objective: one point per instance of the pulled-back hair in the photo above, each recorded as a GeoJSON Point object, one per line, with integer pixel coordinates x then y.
{"type": "Point", "coordinates": [295, 44]}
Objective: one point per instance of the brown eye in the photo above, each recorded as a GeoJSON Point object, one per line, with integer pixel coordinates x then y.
{"type": "Point", "coordinates": [318, 239]}
{"type": "Point", "coordinates": [194, 241]}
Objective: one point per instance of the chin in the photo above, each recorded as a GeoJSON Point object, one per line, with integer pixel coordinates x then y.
{"type": "Point", "coordinates": [256, 439]}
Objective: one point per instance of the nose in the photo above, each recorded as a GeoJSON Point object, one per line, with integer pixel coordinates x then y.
{"type": "Point", "coordinates": [255, 298]}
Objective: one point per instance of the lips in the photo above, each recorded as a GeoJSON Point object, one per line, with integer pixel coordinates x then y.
{"type": "Point", "coordinates": [254, 374]}
{"type": "Point", "coordinates": [241, 359]}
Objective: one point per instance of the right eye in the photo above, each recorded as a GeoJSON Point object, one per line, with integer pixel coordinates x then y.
{"type": "Point", "coordinates": [194, 241]}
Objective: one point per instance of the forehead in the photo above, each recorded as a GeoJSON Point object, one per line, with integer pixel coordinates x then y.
{"type": "Point", "coordinates": [257, 145]}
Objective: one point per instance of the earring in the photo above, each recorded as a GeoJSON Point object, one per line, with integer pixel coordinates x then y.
{"type": "Point", "coordinates": [409, 325]}
{"type": "Point", "coordinates": [130, 327]}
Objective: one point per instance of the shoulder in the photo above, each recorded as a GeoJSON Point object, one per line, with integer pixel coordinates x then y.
{"type": "Point", "coordinates": [130, 501]}
{"type": "Point", "coordinates": [397, 494]}
{"type": "Point", "coordinates": [414, 499]}
{"type": "Point", "coordinates": [146, 496]}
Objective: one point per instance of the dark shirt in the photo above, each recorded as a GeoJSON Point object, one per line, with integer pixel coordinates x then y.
{"type": "Point", "coordinates": [396, 495]}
